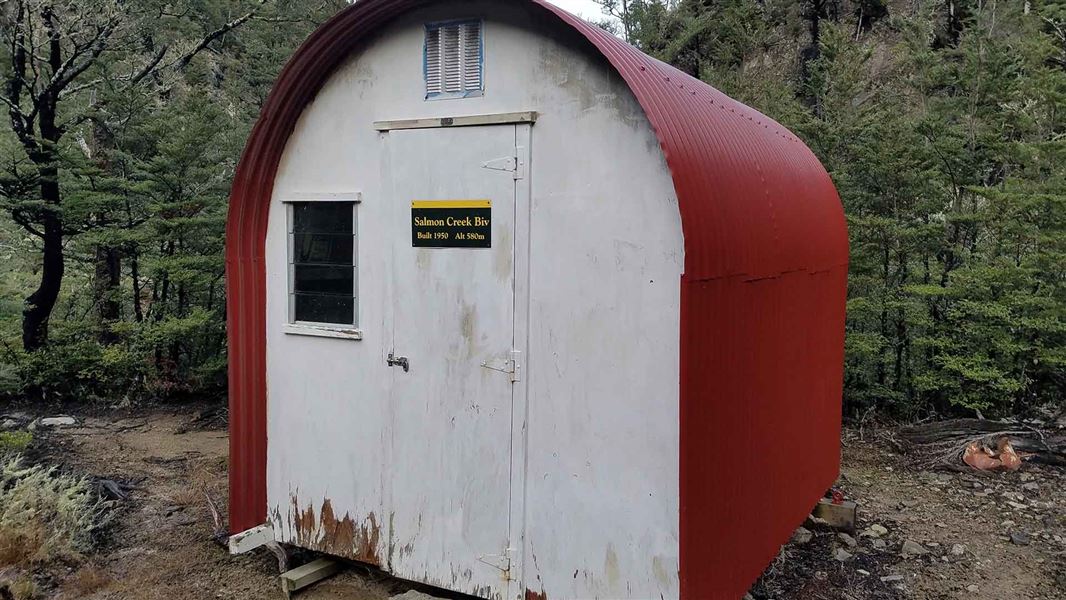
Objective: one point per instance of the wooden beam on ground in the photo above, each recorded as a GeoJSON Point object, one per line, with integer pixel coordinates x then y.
{"type": "Point", "coordinates": [246, 541]}
{"type": "Point", "coordinates": [838, 516]}
{"type": "Point", "coordinates": [307, 575]}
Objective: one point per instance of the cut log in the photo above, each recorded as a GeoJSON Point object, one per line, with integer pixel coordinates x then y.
{"type": "Point", "coordinates": [945, 443]}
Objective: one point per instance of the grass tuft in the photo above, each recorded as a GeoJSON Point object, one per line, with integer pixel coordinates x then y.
{"type": "Point", "coordinates": [45, 515]}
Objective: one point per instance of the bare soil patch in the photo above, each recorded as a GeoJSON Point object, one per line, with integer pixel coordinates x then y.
{"type": "Point", "coordinates": [160, 544]}
{"type": "Point", "coordinates": [963, 521]}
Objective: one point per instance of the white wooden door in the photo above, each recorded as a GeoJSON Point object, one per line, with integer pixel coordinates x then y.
{"type": "Point", "coordinates": [453, 337]}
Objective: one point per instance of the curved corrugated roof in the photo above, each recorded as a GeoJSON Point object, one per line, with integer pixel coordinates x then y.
{"type": "Point", "coordinates": [762, 300]}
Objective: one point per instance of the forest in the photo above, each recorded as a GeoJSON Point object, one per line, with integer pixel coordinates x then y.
{"type": "Point", "coordinates": [942, 123]}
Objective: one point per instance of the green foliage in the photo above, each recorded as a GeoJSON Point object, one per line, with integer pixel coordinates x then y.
{"type": "Point", "coordinates": [14, 442]}
{"type": "Point", "coordinates": [144, 169]}
{"type": "Point", "coordinates": [944, 131]}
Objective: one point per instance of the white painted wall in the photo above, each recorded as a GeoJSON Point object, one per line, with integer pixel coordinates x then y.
{"type": "Point", "coordinates": [601, 498]}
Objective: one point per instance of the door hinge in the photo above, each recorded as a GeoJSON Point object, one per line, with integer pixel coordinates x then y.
{"type": "Point", "coordinates": [514, 164]}
{"type": "Point", "coordinates": [511, 365]}
{"type": "Point", "coordinates": [499, 561]}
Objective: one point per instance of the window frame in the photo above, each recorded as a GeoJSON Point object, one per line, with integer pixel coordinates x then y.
{"type": "Point", "coordinates": [328, 330]}
{"type": "Point", "coordinates": [440, 25]}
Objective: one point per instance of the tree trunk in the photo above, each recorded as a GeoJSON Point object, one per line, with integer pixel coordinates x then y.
{"type": "Point", "coordinates": [39, 304]}
{"type": "Point", "coordinates": [107, 279]}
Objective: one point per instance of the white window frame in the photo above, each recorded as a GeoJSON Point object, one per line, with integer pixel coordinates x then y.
{"type": "Point", "coordinates": [326, 330]}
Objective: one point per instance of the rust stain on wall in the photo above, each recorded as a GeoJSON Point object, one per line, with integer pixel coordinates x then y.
{"type": "Point", "coordinates": [343, 537]}
{"type": "Point", "coordinates": [531, 595]}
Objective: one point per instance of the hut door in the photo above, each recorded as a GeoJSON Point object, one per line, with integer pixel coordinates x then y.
{"type": "Point", "coordinates": [453, 353]}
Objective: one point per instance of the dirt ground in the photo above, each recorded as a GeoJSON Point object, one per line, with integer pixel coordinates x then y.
{"type": "Point", "coordinates": [160, 544]}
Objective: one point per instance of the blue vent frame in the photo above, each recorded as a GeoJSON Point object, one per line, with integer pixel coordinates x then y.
{"type": "Point", "coordinates": [437, 26]}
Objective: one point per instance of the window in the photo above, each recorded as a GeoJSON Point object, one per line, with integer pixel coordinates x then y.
{"type": "Point", "coordinates": [454, 59]}
{"type": "Point", "coordinates": [322, 265]}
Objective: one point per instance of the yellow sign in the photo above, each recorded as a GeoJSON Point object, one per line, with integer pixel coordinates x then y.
{"type": "Point", "coordinates": [451, 223]}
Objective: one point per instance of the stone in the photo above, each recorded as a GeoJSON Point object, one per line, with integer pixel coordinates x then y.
{"type": "Point", "coordinates": [1032, 486]}
{"type": "Point", "coordinates": [874, 531]}
{"type": "Point", "coordinates": [9, 424]}
{"type": "Point", "coordinates": [1019, 538]}
{"type": "Point", "coordinates": [891, 578]}
{"type": "Point", "coordinates": [863, 572]}
{"type": "Point", "coordinates": [61, 421]}
{"type": "Point", "coordinates": [847, 539]}
{"type": "Point", "coordinates": [958, 549]}
{"type": "Point", "coordinates": [911, 548]}
{"type": "Point", "coordinates": [879, 544]}
{"type": "Point", "coordinates": [802, 536]}
{"type": "Point", "coordinates": [842, 555]}
{"type": "Point", "coordinates": [413, 595]}
{"type": "Point", "coordinates": [973, 589]}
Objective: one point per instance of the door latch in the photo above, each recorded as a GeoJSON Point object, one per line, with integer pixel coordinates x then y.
{"type": "Point", "coordinates": [398, 361]}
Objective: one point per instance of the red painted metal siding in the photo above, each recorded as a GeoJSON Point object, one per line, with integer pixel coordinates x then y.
{"type": "Point", "coordinates": [763, 299]}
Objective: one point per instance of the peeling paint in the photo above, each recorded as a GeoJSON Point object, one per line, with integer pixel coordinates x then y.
{"type": "Point", "coordinates": [342, 537]}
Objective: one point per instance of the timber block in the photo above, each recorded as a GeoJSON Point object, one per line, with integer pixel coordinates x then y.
{"type": "Point", "coordinates": [308, 575]}
{"type": "Point", "coordinates": [841, 516]}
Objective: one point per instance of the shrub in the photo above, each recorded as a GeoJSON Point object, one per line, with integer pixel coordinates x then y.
{"type": "Point", "coordinates": [45, 515]}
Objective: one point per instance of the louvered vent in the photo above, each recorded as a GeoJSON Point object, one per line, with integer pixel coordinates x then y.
{"type": "Point", "coordinates": [453, 60]}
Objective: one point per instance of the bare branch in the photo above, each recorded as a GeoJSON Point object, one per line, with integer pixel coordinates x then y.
{"type": "Point", "coordinates": [152, 64]}
{"type": "Point", "coordinates": [184, 60]}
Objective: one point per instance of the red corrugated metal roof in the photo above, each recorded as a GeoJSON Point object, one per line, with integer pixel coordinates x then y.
{"type": "Point", "coordinates": [762, 302]}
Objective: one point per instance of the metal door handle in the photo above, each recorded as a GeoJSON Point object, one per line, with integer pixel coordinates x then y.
{"type": "Point", "coordinates": [398, 361]}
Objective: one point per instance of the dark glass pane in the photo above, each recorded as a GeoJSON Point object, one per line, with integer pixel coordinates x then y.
{"type": "Point", "coordinates": [322, 217]}
{"type": "Point", "coordinates": [322, 308]}
{"type": "Point", "coordinates": [323, 248]}
{"type": "Point", "coordinates": [325, 280]}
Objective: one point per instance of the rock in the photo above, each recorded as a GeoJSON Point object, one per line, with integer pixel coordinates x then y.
{"type": "Point", "coordinates": [973, 589]}
{"type": "Point", "coordinates": [911, 548]}
{"type": "Point", "coordinates": [1032, 486]}
{"type": "Point", "coordinates": [821, 575]}
{"type": "Point", "coordinates": [1019, 538]}
{"type": "Point", "coordinates": [413, 595]}
{"type": "Point", "coordinates": [879, 544]}
{"type": "Point", "coordinates": [61, 421]}
{"type": "Point", "coordinates": [9, 424]}
{"type": "Point", "coordinates": [1017, 505]}
{"type": "Point", "coordinates": [874, 531]}
{"type": "Point", "coordinates": [958, 549]}
{"type": "Point", "coordinates": [802, 536]}
{"type": "Point", "coordinates": [863, 572]}
{"type": "Point", "coordinates": [891, 578]}
{"type": "Point", "coordinates": [842, 555]}
{"type": "Point", "coordinates": [847, 539]}
{"type": "Point", "coordinates": [1026, 477]}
